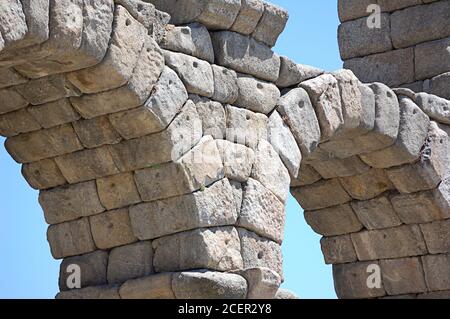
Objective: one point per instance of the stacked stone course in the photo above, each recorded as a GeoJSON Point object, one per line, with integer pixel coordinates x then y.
{"type": "Point", "coordinates": [164, 148]}
{"type": "Point", "coordinates": [410, 49]}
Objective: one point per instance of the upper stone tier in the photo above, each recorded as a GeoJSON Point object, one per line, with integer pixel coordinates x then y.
{"type": "Point", "coordinates": [259, 19]}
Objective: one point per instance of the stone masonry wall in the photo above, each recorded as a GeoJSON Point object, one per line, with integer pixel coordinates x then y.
{"type": "Point", "coordinates": [164, 138]}
{"type": "Point", "coordinates": [411, 48]}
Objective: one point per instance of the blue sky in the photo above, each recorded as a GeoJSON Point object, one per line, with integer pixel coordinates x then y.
{"type": "Point", "coordinates": [27, 269]}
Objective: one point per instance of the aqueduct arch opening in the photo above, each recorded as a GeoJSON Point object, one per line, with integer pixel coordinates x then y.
{"type": "Point", "coordinates": [164, 139]}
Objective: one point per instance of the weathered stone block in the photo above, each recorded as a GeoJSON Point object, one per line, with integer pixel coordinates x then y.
{"type": "Point", "coordinates": [78, 37]}
{"type": "Point", "coordinates": [17, 122]}
{"type": "Point", "coordinates": [284, 143]}
{"type": "Point", "coordinates": [10, 101]}
{"type": "Point", "coordinates": [262, 283]}
{"type": "Point", "coordinates": [199, 168]}
{"type": "Point", "coordinates": [100, 292]}
{"type": "Point", "coordinates": [379, 67]}
{"type": "Point", "coordinates": [438, 86]}
{"type": "Point", "coordinates": [219, 14]}
{"type": "Point", "coordinates": [357, 39]}
{"type": "Point", "coordinates": [121, 57]}
{"type": "Point", "coordinates": [196, 74]}
{"type": "Point", "coordinates": [152, 287]}
{"type": "Point", "coordinates": [10, 77]}
{"type": "Point", "coordinates": [270, 171]}
{"type": "Point", "coordinates": [192, 39]}
{"type": "Point", "coordinates": [245, 127]}
{"type": "Point", "coordinates": [433, 167]}
{"type": "Point", "coordinates": [212, 248]}
{"type": "Point", "coordinates": [54, 113]}
{"type": "Point", "coordinates": [226, 89]}
{"type": "Point", "coordinates": [214, 206]}
{"type": "Point", "coordinates": [43, 174]}
{"type": "Point", "coordinates": [403, 241]}
{"type": "Point", "coordinates": [92, 268]}
{"type": "Point", "coordinates": [422, 207]}
{"type": "Point", "coordinates": [435, 107]}
{"type": "Point", "coordinates": [70, 238]}
{"type": "Point", "coordinates": [118, 191]}
{"type": "Point", "coordinates": [249, 16]}
{"type": "Point", "coordinates": [408, 28]}
{"type": "Point", "coordinates": [338, 220]}
{"type": "Point", "coordinates": [403, 276]}
{"type": "Point", "coordinates": [271, 25]}
{"type": "Point", "coordinates": [297, 111]}
{"type": "Point", "coordinates": [87, 164]}
{"type": "Point", "coordinates": [246, 55]}
{"type": "Point", "coordinates": [340, 167]}
{"type": "Point", "coordinates": [338, 250]}
{"type": "Point", "coordinates": [256, 95]}
{"type": "Point", "coordinates": [130, 261]}
{"type": "Point", "coordinates": [168, 98]}
{"type": "Point", "coordinates": [182, 134]}
{"type": "Point", "coordinates": [311, 196]}
{"type": "Point", "coordinates": [112, 229]}
{"type": "Point", "coordinates": [326, 99]}
{"type": "Point", "coordinates": [368, 185]}
{"type": "Point", "coordinates": [38, 145]}
{"type": "Point", "coordinates": [350, 281]}
{"type": "Point", "coordinates": [292, 73]}
{"type": "Point", "coordinates": [237, 160]}
{"type": "Point", "coordinates": [262, 212]}
{"type": "Point", "coordinates": [437, 236]}
{"type": "Point", "coordinates": [306, 176]}
{"type": "Point", "coordinates": [440, 63]}
{"type": "Point", "coordinates": [209, 285]}
{"type": "Point", "coordinates": [47, 89]}
{"type": "Point", "coordinates": [437, 271]}
{"type": "Point", "coordinates": [260, 252]}
{"type": "Point", "coordinates": [70, 202]}
{"type": "Point", "coordinates": [96, 132]}
{"type": "Point", "coordinates": [412, 132]}
{"type": "Point", "coordinates": [376, 213]}
{"type": "Point", "coordinates": [353, 9]}
{"type": "Point", "coordinates": [213, 116]}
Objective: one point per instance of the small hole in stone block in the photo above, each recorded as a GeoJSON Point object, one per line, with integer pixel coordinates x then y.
{"type": "Point", "coordinates": [225, 71]}
{"type": "Point", "coordinates": [127, 22]}
{"type": "Point", "coordinates": [441, 141]}
{"type": "Point", "coordinates": [195, 64]}
{"type": "Point", "coordinates": [260, 86]}
{"type": "Point", "coordinates": [260, 255]}
{"type": "Point", "coordinates": [247, 117]}
{"type": "Point", "coordinates": [188, 118]}
{"type": "Point", "coordinates": [170, 82]}
{"type": "Point", "coordinates": [415, 112]}
{"type": "Point", "coordinates": [185, 31]}
{"type": "Point", "coordinates": [389, 94]}
{"type": "Point", "coordinates": [445, 108]}
{"type": "Point", "coordinates": [301, 104]}
{"type": "Point", "coordinates": [140, 7]}
{"type": "Point", "coordinates": [227, 241]}
{"type": "Point", "coordinates": [149, 49]}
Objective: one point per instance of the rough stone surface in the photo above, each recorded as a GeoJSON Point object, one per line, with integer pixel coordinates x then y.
{"type": "Point", "coordinates": [244, 54]}
{"type": "Point", "coordinates": [213, 248]}
{"type": "Point", "coordinates": [262, 212]}
{"type": "Point", "coordinates": [213, 206]}
{"type": "Point", "coordinates": [338, 250]}
{"type": "Point", "coordinates": [338, 220]}
{"type": "Point", "coordinates": [403, 241]}
{"type": "Point", "coordinates": [157, 286]}
{"type": "Point", "coordinates": [226, 89]}
{"type": "Point", "coordinates": [256, 95]}
{"type": "Point", "coordinates": [292, 73]}
{"type": "Point", "coordinates": [310, 196]}
{"type": "Point", "coordinates": [237, 160]}
{"type": "Point", "coordinates": [248, 17]}
{"type": "Point", "coordinates": [129, 262]}
{"type": "Point", "coordinates": [376, 213]}
{"type": "Point", "coordinates": [403, 276]}
{"type": "Point", "coordinates": [209, 285]}
{"type": "Point", "coordinates": [271, 25]}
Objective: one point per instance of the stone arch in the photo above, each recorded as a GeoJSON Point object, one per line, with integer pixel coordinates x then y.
{"type": "Point", "coordinates": [164, 153]}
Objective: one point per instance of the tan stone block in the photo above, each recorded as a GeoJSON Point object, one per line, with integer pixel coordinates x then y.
{"type": "Point", "coordinates": [112, 229]}
{"type": "Point", "coordinates": [338, 250]}
{"type": "Point", "coordinates": [312, 196]}
{"type": "Point", "coordinates": [43, 174]}
{"type": "Point", "coordinates": [337, 220]}
{"type": "Point", "coordinates": [376, 213]}
{"type": "Point", "coordinates": [368, 185]}
{"type": "Point", "coordinates": [96, 132]}
{"type": "Point", "coordinates": [403, 276]}
{"type": "Point", "coordinates": [70, 238]}
{"type": "Point", "coordinates": [118, 191]}
{"type": "Point", "coordinates": [152, 287]}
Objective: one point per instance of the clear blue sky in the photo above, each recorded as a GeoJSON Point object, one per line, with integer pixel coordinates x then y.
{"type": "Point", "coordinates": [27, 269]}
